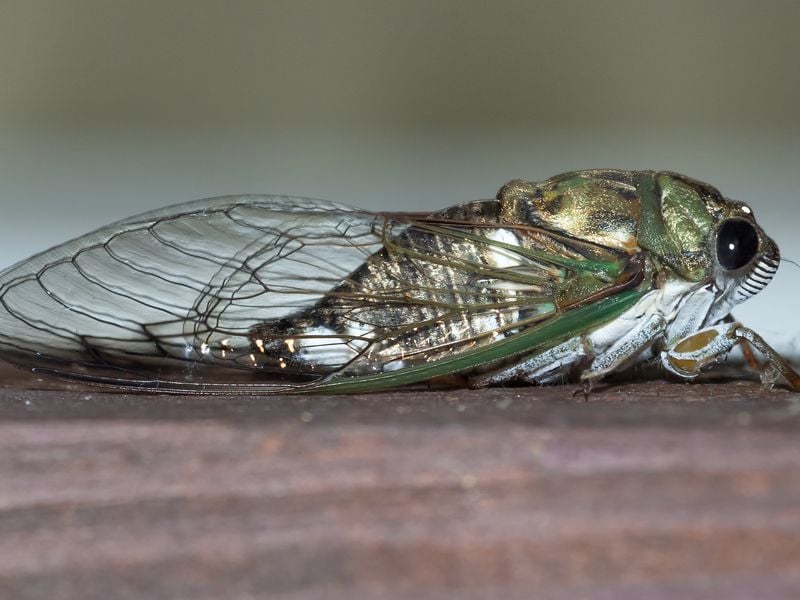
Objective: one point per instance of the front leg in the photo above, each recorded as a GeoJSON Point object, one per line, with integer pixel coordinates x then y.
{"type": "Point", "coordinates": [688, 356]}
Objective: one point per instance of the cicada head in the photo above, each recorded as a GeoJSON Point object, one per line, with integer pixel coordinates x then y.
{"type": "Point", "coordinates": [745, 258]}
{"type": "Point", "coordinates": [719, 240]}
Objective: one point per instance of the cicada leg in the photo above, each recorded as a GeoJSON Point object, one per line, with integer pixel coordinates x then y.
{"type": "Point", "coordinates": [545, 367]}
{"type": "Point", "coordinates": [599, 350]}
{"type": "Point", "coordinates": [691, 354]}
{"type": "Point", "coordinates": [749, 355]}
{"type": "Point", "coordinates": [621, 353]}
{"type": "Point", "coordinates": [747, 350]}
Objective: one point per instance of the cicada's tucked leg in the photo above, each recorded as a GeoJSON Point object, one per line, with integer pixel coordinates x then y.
{"type": "Point", "coordinates": [620, 354]}
{"type": "Point", "coordinates": [600, 350]}
{"type": "Point", "coordinates": [545, 367]}
{"type": "Point", "coordinates": [691, 354]}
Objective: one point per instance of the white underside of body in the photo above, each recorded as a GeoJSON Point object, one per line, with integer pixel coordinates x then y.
{"type": "Point", "coordinates": [664, 315]}
{"type": "Point", "coordinates": [667, 314]}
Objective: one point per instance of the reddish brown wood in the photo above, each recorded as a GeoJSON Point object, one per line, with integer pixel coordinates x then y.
{"type": "Point", "coordinates": [648, 490]}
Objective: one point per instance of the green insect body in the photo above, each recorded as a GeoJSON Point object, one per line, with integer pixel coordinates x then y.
{"type": "Point", "coordinates": [572, 278]}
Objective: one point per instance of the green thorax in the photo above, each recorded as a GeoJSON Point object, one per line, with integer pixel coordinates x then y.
{"type": "Point", "coordinates": [663, 213]}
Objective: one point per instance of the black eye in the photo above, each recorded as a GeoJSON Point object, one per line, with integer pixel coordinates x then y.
{"type": "Point", "coordinates": [737, 244]}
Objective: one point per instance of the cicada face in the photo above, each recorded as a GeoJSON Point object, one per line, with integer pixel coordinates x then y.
{"type": "Point", "coordinates": [573, 277]}
{"type": "Point", "coordinates": [745, 258]}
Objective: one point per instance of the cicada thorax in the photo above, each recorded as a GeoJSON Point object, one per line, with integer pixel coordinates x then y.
{"type": "Point", "coordinates": [667, 215]}
{"type": "Point", "coordinates": [598, 207]}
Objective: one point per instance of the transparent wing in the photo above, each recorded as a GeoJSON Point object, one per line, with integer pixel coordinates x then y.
{"type": "Point", "coordinates": [266, 293]}
{"type": "Point", "coordinates": [148, 297]}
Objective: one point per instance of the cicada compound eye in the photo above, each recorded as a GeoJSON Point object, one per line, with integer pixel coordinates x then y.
{"type": "Point", "coordinates": [737, 244]}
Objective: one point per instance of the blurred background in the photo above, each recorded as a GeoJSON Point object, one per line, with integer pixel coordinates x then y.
{"type": "Point", "coordinates": [110, 107]}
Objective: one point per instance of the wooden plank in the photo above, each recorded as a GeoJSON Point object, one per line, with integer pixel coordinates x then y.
{"type": "Point", "coordinates": [648, 490]}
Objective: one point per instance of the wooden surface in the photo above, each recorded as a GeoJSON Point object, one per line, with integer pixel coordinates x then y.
{"type": "Point", "coordinates": [648, 490]}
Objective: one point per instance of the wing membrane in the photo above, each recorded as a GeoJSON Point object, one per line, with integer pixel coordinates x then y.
{"type": "Point", "coordinates": [146, 290]}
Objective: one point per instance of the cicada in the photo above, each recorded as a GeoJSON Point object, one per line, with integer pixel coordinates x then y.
{"type": "Point", "coordinates": [568, 279]}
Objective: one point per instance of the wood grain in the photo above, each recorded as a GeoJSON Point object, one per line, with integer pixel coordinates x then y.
{"type": "Point", "coordinates": [648, 490]}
